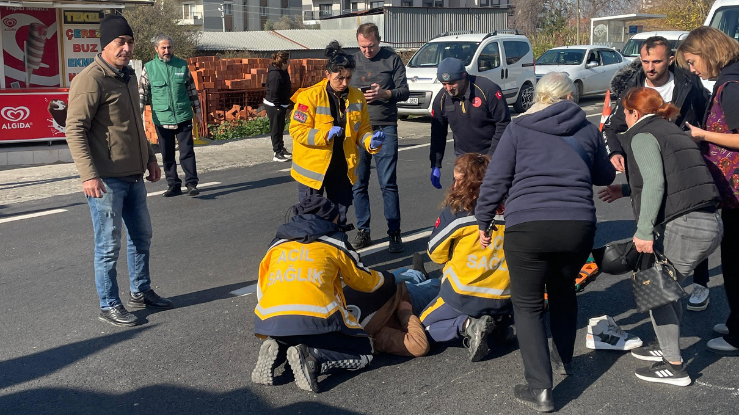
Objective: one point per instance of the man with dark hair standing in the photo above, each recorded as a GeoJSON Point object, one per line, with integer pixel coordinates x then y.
{"type": "Point", "coordinates": [380, 74]}
{"type": "Point", "coordinates": [655, 69]}
{"type": "Point", "coordinates": [167, 85]}
{"type": "Point", "coordinates": [475, 109]}
{"type": "Point", "coordinates": [106, 137]}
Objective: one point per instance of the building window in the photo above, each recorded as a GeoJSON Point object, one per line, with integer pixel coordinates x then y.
{"type": "Point", "coordinates": [484, 3]}
{"type": "Point", "coordinates": [376, 4]}
{"type": "Point", "coordinates": [324, 10]}
{"type": "Point", "coordinates": [407, 4]}
{"type": "Point", "coordinates": [228, 9]}
{"type": "Point", "coordinates": [438, 4]}
{"type": "Point", "coordinates": [355, 6]}
{"type": "Point", "coordinates": [428, 3]}
{"type": "Point", "coordinates": [188, 10]}
{"type": "Point", "coordinates": [263, 11]}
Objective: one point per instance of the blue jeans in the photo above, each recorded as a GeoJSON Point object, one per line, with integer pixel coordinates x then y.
{"type": "Point", "coordinates": [386, 162]}
{"type": "Point", "coordinates": [423, 293]}
{"type": "Point", "coordinates": [123, 204]}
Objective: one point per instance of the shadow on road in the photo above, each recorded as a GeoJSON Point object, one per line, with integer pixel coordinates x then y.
{"type": "Point", "coordinates": [194, 298]}
{"type": "Point", "coordinates": [27, 368]}
{"type": "Point", "coordinates": [27, 212]}
{"type": "Point", "coordinates": [211, 193]}
{"type": "Point", "coordinates": [15, 185]}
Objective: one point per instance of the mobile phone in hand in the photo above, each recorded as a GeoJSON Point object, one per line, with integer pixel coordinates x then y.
{"type": "Point", "coordinates": [364, 89]}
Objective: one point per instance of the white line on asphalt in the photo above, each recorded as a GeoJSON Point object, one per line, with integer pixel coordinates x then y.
{"type": "Point", "coordinates": [32, 215]}
{"type": "Point", "coordinates": [284, 170]}
{"type": "Point", "coordinates": [200, 186]}
{"type": "Point", "coordinates": [419, 146]}
{"type": "Point", "coordinates": [249, 289]}
{"type": "Point", "coordinates": [377, 248]}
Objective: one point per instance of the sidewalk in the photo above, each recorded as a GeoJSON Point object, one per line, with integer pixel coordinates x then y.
{"type": "Point", "coordinates": [25, 184]}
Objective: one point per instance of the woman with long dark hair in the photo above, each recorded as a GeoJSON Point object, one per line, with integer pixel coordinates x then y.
{"type": "Point", "coordinates": [674, 200]}
{"type": "Point", "coordinates": [277, 103]}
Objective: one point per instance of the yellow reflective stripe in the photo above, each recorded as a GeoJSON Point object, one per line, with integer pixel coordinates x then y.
{"type": "Point", "coordinates": [364, 137]}
{"type": "Point", "coordinates": [472, 289]}
{"type": "Point", "coordinates": [323, 110]}
{"type": "Point", "coordinates": [307, 173]}
{"type": "Point", "coordinates": [312, 136]}
{"type": "Point", "coordinates": [439, 302]}
{"type": "Point", "coordinates": [297, 307]}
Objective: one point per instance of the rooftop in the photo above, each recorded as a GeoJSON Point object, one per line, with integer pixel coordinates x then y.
{"type": "Point", "coordinates": [275, 40]}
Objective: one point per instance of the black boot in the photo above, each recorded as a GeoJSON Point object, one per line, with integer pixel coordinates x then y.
{"type": "Point", "coordinates": [538, 399]}
{"type": "Point", "coordinates": [418, 264]}
{"type": "Point", "coordinates": [174, 190]}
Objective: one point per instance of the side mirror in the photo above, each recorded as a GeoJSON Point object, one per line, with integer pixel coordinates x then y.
{"type": "Point", "coordinates": [592, 64]}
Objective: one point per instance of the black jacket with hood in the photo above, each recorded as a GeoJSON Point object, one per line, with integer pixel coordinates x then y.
{"type": "Point", "coordinates": [279, 87]}
{"type": "Point", "coordinates": [689, 95]}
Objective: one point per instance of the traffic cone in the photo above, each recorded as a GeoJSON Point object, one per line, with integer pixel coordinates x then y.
{"type": "Point", "coordinates": [606, 109]}
{"type": "Point", "coordinates": [196, 135]}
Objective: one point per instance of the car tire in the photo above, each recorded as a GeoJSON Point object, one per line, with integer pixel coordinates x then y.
{"type": "Point", "coordinates": [525, 98]}
{"type": "Point", "coordinates": [578, 92]}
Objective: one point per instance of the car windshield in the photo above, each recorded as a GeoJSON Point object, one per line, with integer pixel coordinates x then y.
{"type": "Point", "coordinates": [633, 46]}
{"type": "Point", "coordinates": [562, 57]}
{"type": "Point", "coordinates": [432, 53]}
{"type": "Point", "coordinates": [726, 20]}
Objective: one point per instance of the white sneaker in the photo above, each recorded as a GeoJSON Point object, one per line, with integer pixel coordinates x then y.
{"type": "Point", "coordinates": [699, 298]}
{"type": "Point", "coordinates": [721, 346]}
{"type": "Point", "coordinates": [721, 329]}
{"type": "Point", "coordinates": [605, 334]}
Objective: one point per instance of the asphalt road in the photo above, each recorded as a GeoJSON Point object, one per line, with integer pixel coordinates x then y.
{"type": "Point", "coordinates": [57, 358]}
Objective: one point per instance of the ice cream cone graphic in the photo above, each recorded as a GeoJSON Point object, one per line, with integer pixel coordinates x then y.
{"type": "Point", "coordinates": [34, 48]}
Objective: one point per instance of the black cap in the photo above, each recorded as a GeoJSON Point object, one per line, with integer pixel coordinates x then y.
{"type": "Point", "coordinates": [317, 205]}
{"type": "Point", "coordinates": [450, 70]}
{"type": "Point", "coordinates": [112, 27]}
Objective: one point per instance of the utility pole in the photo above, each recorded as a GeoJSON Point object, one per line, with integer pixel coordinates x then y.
{"type": "Point", "coordinates": [223, 16]}
{"type": "Point", "coordinates": [578, 22]}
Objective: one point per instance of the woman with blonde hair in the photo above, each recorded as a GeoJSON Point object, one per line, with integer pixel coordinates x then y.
{"type": "Point", "coordinates": [674, 201]}
{"type": "Point", "coordinates": [545, 167]}
{"type": "Point", "coordinates": [712, 54]}
{"type": "Point", "coordinates": [277, 103]}
{"type": "Point", "coordinates": [475, 295]}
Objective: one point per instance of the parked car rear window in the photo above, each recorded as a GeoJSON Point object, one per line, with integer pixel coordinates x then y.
{"type": "Point", "coordinates": [609, 57]}
{"type": "Point", "coordinates": [515, 50]}
{"type": "Point", "coordinates": [562, 57]}
{"type": "Point", "coordinates": [431, 54]}
{"type": "Point", "coordinates": [726, 19]}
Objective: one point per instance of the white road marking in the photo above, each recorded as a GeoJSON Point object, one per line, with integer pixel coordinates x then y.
{"type": "Point", "coordinates": [283, 170]}
{"type": "Point", "coordinates": [32, 215]}
{"type": "Point", "coordinates": [419, 146]}
{"type": "Point", "coordinates": [249, 289]}
{"type": "Point", "coordinates": [377, 248]}
{"type": "Point", "coordinates": [200, 186]}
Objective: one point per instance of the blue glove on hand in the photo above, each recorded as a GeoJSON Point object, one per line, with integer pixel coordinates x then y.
{"type": "Point", "coordinates": [377, 139]}
{"type": "Point", "coordinates": [436, 177]}
{"type": "Point", "coordinates": [334, 132]}
{"type": "Point", "coordinates": [408, 275]}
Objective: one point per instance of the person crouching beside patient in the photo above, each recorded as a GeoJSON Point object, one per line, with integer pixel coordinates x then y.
{"type": "Point", "coordinates": [475, 290]}
{"type": "Point", "coordinates": [302, 314]}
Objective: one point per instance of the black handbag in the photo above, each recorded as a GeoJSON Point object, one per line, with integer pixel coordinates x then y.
{"type": "Point", "coordinates": [616, 258]}
{"type": "Point", "coordinates": [657, 285]}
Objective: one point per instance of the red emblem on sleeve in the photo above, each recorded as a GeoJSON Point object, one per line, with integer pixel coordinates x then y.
{"type": "Point", "coordinates": [476, 102]}
{"type": "Point", "coordinates": [432, 113]}
{"type": "Point", "coordinates": [438, 221]}
{"type": "Point", "coordinates": [302, 107]}
{"type": "Point", "coordinates": [499, 95]}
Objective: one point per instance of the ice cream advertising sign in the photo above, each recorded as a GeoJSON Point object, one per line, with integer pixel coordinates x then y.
{"type": "Point", "coordinates": [81, 40]}
{"type": "Point", "coordinates": [37, 115]}
{"type": "Point", "coordinates": [30, 47]}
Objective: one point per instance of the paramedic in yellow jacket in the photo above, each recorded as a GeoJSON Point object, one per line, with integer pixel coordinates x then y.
{"type": "Point", "coordinates": [329, 121]}
{"type": "Point", "coordinates": [301, 309]}
{"type": "Point", "coordinates": [475, 294]}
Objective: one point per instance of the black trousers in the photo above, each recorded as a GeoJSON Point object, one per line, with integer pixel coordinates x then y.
{"type": "Point", "coordinates": [730, 265]}
{"type": "Point", "coordinates": [700, 274]}
{"type": "Point", "coordinates": [338, 190]}
{"type": "Point", "coordinates": [276, 115]}
{"type": "Point", "coordinates": [183, 134]}
{"type": "Point", "coordinates": [539, 254]}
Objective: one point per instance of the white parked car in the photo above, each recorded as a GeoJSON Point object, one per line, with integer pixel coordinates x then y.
{"type": "Point", "coordinates": [590, 67]}
{"type": "Point", "coordinates": [724, 16]}
{"type": "Point", "coordinates": [506, 59]}
{"type": "Point", "coordinates": [632, 48]}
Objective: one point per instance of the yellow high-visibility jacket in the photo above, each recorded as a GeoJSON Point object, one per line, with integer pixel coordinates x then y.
{"type": "Point", "coordinates": [476, 280]}
{"type": "Point", "coordinates": [309, 127]}
{"type": "Point", "coordinates": [300, 281]}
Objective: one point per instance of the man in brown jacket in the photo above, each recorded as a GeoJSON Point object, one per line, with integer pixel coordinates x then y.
{"type": "Point", "coordinates": [106, 137]}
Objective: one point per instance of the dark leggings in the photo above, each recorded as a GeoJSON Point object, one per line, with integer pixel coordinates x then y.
{"type": "Point", "coordinates": [730, 265]}
{"type": "Point", "coordinates": [547, 253]}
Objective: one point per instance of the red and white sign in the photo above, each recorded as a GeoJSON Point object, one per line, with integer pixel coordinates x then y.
{"type": "Point", "coordinates": [30, 47]}
{"type": "Point", "coordinates": [32, 115]}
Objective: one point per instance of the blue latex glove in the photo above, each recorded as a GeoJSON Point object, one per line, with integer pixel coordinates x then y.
{"type": "Point", "coordinates": [408, 275]}
{"type": "Point", "coordinates": [377, 139]}
{"type": "Point", "coordinates": [334, 132]}
{"type": "Point", "coordinates": [436, 177]}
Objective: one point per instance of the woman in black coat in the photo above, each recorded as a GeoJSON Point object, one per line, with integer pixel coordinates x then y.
{"type": "Point", "coordinates": [277, 103]}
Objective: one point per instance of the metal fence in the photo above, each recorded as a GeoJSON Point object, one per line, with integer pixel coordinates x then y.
{"type": "Point", "coordinates": [411, 27]}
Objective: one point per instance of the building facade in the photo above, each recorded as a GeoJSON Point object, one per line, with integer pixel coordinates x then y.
{"type": "Point", "coordinates": [235, 15]}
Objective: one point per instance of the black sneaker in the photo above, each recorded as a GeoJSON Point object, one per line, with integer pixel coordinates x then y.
{"type": "Point", "coordinates": [475, 337]}
{"type": "Point", "coordinates": [118, 316]}
{"type": "Point", "coordinates": [362, 239]}
{"type": "Point", "coordinates": [418, 264]}
{"type": "Point", "coordinates": [396, 244]}
{"type": "Point", "coordinates": [280, 156]}
{"type": "Point", "coordinates": [665, 372]}
{"type": "Point", "coordinates": [305, 367]}
{"type": "Point", "coordinates": [650, 353]}
{"type": "Point", "coordinates": [538, 399]}
{"type": "Point", "coordinates": [148, 299]}
{"type": "Point", "coordinates": [271, 356]}
{"type": "Point", "coordinates": [174, 190]}
{"type": "Point", "coordinates": [192, 190]}
{"type": "Point", "coordinates": [286, 153]}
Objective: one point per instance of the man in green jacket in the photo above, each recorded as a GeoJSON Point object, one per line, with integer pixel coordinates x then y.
{"type": "Point", "coordinates": [106, 137]}
{"type": "Point", "coordinates": [167, 85]}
